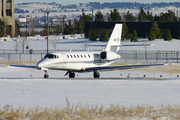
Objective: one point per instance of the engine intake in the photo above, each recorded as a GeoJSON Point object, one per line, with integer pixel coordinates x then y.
{"type": "Point", "coordinates": [103, 55]}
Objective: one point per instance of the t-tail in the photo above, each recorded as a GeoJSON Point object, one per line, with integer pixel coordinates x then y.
{"type": "Point", "coordinates": [115, 39]}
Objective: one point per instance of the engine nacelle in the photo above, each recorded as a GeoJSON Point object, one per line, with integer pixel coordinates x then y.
{"type": "Point", "coordinates": [103, 55]}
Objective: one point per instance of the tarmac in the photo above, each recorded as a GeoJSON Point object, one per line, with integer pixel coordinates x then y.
{"type": "Point", "coordinates": [103, 79]}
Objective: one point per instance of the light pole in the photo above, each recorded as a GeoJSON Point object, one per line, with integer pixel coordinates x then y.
{"type": "Point", "coordinates": [63, 21]}
{"type": "Point", "coordinates": [107, 17]}
{"type": "Point", "coordinates": [92, 15]}
{"type": "Point", "coordinates": [44, 18]}
{"type": "Point", "coordinates": [51, 26]}
{"type": "Point", "coordinates": [26, 25]}
{"type": "Point", "coordinates": [47, 32]}
{"type": "Point", "coordinates": [26, 32]}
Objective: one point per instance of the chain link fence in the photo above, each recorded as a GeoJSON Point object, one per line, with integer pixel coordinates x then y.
{"type": "Point", "coordinates": [150, 56]}
{"type": "Point", "coordinates": [126, 56]}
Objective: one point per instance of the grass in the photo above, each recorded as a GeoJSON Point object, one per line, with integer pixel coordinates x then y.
{"type": "Point", "coordinates": [170, 68]}
{"type": "Point", "coordinates": [6, 63]}
{"type": "Point", "coordinates": [80, 112]}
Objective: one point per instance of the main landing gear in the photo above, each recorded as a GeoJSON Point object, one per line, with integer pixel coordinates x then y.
{"type": "Point", "coordinates": [96, 74]}
{"type": "Point", "coordinates": [71, 74]}
{"type": "Point", "coordinates": [46, 75]}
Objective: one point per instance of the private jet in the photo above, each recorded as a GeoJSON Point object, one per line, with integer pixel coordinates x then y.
{"type": "Point", "coordinates": [87, 61]}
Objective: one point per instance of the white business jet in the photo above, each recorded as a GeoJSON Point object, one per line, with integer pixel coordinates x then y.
{"type": "Point", "coordinates": [88, 60]}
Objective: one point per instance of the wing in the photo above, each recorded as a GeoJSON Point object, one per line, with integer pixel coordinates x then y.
{"type": "Point", "coordinates": [23, 66]}
{"type": "Point", "coordinates": [122, 67]}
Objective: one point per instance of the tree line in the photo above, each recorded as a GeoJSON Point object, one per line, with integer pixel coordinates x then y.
{"type": "Point", "coordinates": [154, 33]}
{"type": "Point", "coordinates": [77, 25]}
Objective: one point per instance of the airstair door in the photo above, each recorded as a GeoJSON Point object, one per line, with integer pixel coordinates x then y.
{"type": "Point", "coordinates": [64, 60]}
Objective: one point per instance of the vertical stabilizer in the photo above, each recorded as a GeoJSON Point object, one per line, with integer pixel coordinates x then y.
{"type": "Point", "coordinates": [115, 39]}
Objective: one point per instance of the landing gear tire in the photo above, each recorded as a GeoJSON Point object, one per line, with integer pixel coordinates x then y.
{"type": "Point", "coordinates": [46, 75]}
{"type": "Point", "coordinates": [71, 75]}
{"type": "Point", "coordinates": [96, 74]}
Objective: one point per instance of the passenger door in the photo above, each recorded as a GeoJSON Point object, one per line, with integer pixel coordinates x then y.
{"type": "Point", "coordinates": [64, 62]}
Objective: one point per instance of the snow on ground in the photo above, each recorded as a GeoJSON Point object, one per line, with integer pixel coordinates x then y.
{"type": "Point", "coordinates": [28, 88]}
{"type": "Point", "coordinates": [52, 92]}
{"type": "Point", "coordinates": [39, 43]}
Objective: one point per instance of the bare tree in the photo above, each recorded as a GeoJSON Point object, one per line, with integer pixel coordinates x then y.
{"type": "Point", "coordinates": [54, 43]}
{"type": "Point", "coordinates": [63, 24]}
{"type": "Point", "coordinates": [85, 44]}
{"type": "Point", "coordinates": [57, 29]}
{"type": "Point", "coordinates": [23, 42]}
{"type": "Point", "coordinates": [31, 26]}
{"type": "Point", "coordinates": [16, 45]}
{"type": "Point", "coordinates": [81, 24]}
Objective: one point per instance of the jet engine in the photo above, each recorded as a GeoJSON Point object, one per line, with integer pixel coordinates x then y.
{"type": "Point", "coordinates": [103, 55]}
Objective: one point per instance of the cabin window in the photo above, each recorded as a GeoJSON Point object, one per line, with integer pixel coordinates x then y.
{"type": "Point", "coordinates": [67, 56]}
{"type": "Point", "coordinates": [81, 56]}
{"type": "Point", "coordinates": [74, 56]}
{"type": "Point", "coordinates": [71, 56]}
{"type": "Point", "coordinates": [78, 56]}
{"type": "Point", "coordinates": [89, 56]}
{"type": "Point", "coordinates": [85, 56]}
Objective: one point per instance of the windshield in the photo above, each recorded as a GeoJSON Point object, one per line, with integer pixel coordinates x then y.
{"type": "Point", "coordinates": [51, 56]}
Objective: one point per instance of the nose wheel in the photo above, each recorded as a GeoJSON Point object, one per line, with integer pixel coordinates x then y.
{"type": "Point", "coordinates": [46, 75]}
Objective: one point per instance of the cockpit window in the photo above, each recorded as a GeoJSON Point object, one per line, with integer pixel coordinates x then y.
{"type": "Point", "coordinates": [51, 56]}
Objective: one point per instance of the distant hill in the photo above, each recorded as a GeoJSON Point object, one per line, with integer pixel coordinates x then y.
{"type": "Point", "coordinates": [132, 5]}
{"type": "Point", "coordinates": [123, 5]}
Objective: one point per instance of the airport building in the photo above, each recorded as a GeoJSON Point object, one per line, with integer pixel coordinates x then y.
{"type": "Point", "coordinates": [7, 15]}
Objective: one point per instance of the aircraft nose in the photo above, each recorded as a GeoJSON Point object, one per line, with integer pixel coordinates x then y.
{"type": "Point", "coordinates": [40, 65]}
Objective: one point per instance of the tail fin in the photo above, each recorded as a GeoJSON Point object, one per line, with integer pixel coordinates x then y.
{"type": "Point", "coordinates": [115, 39]}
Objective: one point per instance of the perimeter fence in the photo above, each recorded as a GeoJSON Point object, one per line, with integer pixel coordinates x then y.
{"type": "Point", "coordinates": [150, 56]}
{"type": "Point", "coordinates": [126, 56]}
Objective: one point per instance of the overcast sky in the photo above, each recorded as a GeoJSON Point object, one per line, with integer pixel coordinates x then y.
{"type": "Point", "coordinates": [86, 1]}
